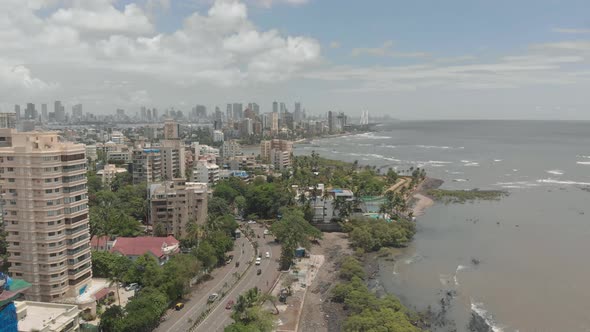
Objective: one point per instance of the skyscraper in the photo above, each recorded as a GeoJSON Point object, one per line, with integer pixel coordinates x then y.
{"type": "Point", "coordinates": [238, 111]}
{"type": "Point", "coordinates": [46, 214]}
{"type": "Point", "coordinates": [30, 112]}
{"type": "Point", "coordinates": [77, 112]}
{"type": "Point", "coordinates": [59, 111]}
{"type": "Point", "coordinates": [44, 115]}
{"type": "Point", "coordinates": [275, 107]}
{"type": "Point", "coordinates": [17, 111]}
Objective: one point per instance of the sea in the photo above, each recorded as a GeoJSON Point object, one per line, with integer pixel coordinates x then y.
{"type": "Point", "coordinates": [518, 264]}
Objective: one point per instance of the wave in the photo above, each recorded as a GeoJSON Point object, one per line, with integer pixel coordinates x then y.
{"type": "Point", "coordinates": [465, 161]}
{"type": "Point", "coordinates": [583, 156]}
{"type": "Point", "coordinates": [555, 172]}
{"type": "Point", "coordinates": [583, 162]}
{"type": "Point", "coordinates": [553, 181]}
{"type": "Point", "coordinates": [444, 147]}
{"type": "Point", "coordinates": [439, 162]}
{"type": "Point", "coordinates": [478, 309]}
{"type": "Point", "coordinates": [371, 136]}
{"type": "Point", "coordinates": [474, 164]}
{"type": "Point", "coordinates": [460, 180]}
{"type": "Point", "coordinates": [497, 160]}
{"type": "Point", "coordinates": [415, 258]}
{"type": "Point", "coordinates": [515, 169]}
{"type": "Point", "coordinates": [517, 184]}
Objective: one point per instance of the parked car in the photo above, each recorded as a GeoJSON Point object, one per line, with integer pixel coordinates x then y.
{"type": "Point", "coordinates": [267, 255]}
{"type": "Point", "coordinates": [237, 264]}
{"type": "Point", "coordinates": [258, 261]}
{"type": "Point", "coordinates": [259, 272]}
{"type": "Point", "coordinates": [212, 297]}
{"type": "Point", "coordinates": [179, 306]}
{"type": "Point", "coordinates": [130, 287]}
{"type": "Point", "coordinates": [229, 305]}
{"type": "Point", "coordinates": [251, 221]}
{"type": "Point", "coordinates": [229, 259]}
{"type": "Point", "coordinates": [266, 232]}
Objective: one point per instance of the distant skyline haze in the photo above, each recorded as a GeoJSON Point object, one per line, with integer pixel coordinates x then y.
{"type": "Point", "coordinates": [408, 59]}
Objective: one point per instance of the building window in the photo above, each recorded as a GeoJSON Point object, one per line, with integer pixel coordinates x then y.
{"type": "Point", "coordinates": [10, 169]}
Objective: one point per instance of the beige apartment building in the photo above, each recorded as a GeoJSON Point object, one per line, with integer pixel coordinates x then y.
{"type": "Point", "coordinates": [173, 204]}
{"type": "Point", "coordinates": [43, 185]}
{"type": "Point", "coordinates": [278, 152]}
{"type": "Point", "coordinates": [147, 165]}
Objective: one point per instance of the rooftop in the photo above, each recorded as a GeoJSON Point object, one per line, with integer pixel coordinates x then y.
{"type": "Point", "coordinates": [137, 246]}
{"type": "Point", "coordinates": [40, 315]}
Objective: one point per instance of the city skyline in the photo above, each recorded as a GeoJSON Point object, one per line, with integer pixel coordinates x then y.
{"type": "Point", "coordinates": [409, 61]}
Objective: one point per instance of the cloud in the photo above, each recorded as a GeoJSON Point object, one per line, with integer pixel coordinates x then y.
{"type": "Point", "coordinates": [270, 3]}
{"type": "Point", "coordinates": [571, 31]}
{"type": "Point", "coordinates": [84, 44]}
{"type": "Point", "coordinates": [385, 50]}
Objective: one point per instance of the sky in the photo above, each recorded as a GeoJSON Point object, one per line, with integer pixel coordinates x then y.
{"type": "Point", "coordinates": [423, 59]}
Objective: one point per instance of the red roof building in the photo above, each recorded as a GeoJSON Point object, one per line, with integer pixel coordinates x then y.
{"type": "Point", "coordinates": [101, 243]}
{"type": "Point", "coordinates": [159, 247]}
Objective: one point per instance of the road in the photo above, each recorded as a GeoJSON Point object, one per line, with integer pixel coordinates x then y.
{"type": "Point", "coordinates": [183, 319]}
{"type": "Point", "coordinates": [219, 317]}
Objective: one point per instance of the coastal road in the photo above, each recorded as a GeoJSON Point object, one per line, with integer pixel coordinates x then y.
{"type": "Point", "coordinates": [196, 303]}
{"type": "Point", "coordinates": [219, 317]}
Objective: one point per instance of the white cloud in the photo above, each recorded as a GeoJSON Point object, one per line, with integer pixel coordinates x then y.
{"type": "Point", "coordinates": [385, 50]}
{"type": "Point", "coordinates": [105, 19]}
{"type": "Point", "coordinates": [270, 3]}
{"type": "Point", "coordinates": [81, 46]}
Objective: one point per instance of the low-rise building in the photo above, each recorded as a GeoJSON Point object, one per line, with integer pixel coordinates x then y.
{"type": "Point", "coordinates": [47, 317]}
{"type": "Point", "coordinates": [218, 136]}
{"type": "Point", "coordinates": [174, 204]}
{"type": "Point", "coordinates": [162, 248]}
{"type": "Point", "coordinates": [230, 149]}
{"type": "Point", "coordinates": [109, 172]}
{"type": "Point", "coordinates": [91, 152]}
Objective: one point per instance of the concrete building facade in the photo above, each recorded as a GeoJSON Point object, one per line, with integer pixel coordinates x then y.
{"type": "Point", "coordinates": [43, 183]}
{"type": "Point", "coordinates": [173, 204]}
{"type": "Point", "coordinates": [147, 166]}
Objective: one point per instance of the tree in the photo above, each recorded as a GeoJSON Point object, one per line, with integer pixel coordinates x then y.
{"type": "Point", "coordinates": [217, 207]}
{"type": "Point", "coordinates": [292, 231]}
{"type": "Point", "coordinates": [111, 318]}
{"type": "Point", "coordinates": [205, 253]}
{"type": "Point", "coordinates": [104, 262]}
{"type": "Point", "coordinates": [350, 267]}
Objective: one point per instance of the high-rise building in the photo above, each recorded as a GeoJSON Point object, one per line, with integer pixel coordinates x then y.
{"type": "Point", "coordinates": [275, 107]}
{"type": "Point", "coordinates": [17, 111]}
{"type": "Point", "coordinates": [201, 111]}
{"type": "Point", "coordinates": [278, 152]}
{"type": "Point", "coordinates": [147, 166]}
{"type": "Point", "coordinates": [171, 129]}
{"type": "Point", "coordinates": [44, 115]}
{"type": "Point", "coordinates": [175, 204]}
{"type": "Point", "coordinates": [218, 136]}
{"type": "Point", "coordinates": [77, 112]}
{"type": "Point", "coordinates": [30, 112]}
{"type": "Point", "coordinates": [297, 113]}
{"type": "Point", "coordinates": [255, 108]}
{"type": "Point", "coordinates": [237, 111]}
{"type": "Point", "coordinates": [230, 149]}
{"type": "Point", "coordinates": [283, 110]}
{"type": "Point", "coordinates": [229, 112]}
{"type": "Point", "coordinates": [173, 159]}
{"type": "Point", "coordinates": [8, 120]}
{"type": "Point", "coordinates": [143, 113]}
{"type": "Point", "coordinates": [59, 112]}
{"type": "Point", "coordinates": [46, 214]}
{"type": "Point", "coordinates": [274, 122]}
{"type": "Point", "coordinates": [331, 122]}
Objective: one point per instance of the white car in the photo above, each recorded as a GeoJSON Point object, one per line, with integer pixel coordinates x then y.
{"type": "Point", "coordinates": [266, 232]}
{"type": "Point", "coordinates": [258, 261]}
{"type": "Point", "coordinates": [251, 221]}
{"type": "Point", "coordinates": [267, 255]}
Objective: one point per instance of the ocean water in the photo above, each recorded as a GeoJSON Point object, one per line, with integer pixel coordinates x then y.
{"type": "Point", "coordinates": [533, 246]}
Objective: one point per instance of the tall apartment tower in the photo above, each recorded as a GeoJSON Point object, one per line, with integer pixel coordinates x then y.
{"type": "Point", "coordinates": [8, 120]}
{"type": "Point", "coordinates": [43, 185]}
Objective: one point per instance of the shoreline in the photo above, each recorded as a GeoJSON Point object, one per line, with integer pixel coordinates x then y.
{"type": "Point", "coordinates": [319, 313]}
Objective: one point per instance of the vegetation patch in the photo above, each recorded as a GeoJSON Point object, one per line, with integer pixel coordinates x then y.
{"type": "Point", "coordinates": [462, 196]}
{"type": "Point", "coordinates": [373, 235]}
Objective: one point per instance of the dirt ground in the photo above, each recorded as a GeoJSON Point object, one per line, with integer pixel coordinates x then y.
{"type": "Point", "coordinates": [319, 314]}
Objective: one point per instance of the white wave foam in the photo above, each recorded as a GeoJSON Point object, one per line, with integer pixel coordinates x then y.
{"type": "Point", "coordinates": [512, 187]}
{"type": "Point", "coordinates": [474, 164]}
{"type": "Point", "coordinates": [455, 173]}
{"type": "Point", "coordinates": [583, 162]}
{"type": "Point", "coordinates": [461, 268]}
{"type": "Point", "coordinates": [415, 258]}
{"type": "Point", "coordinates": [497, 160]}
{"type": "Point", "coordinates": [439, 162]}
{"type": "Point", "coordinates": [553, 181]}
{"type": "Point", "coordinates": [555, 172]}
{"type": "Point", "coordinates": [389, 146]}
{"type": "Point", "coordinates": [479, 310]}
{"type": "Point", "coordinates": [583, 156]}
{"type": "Point", "coordinates": [444, 147]}
{"type": "Point", "coordinates": [465, 161]}
{"type": "Point", "coordinates": [371, 136]}
{"type": "Point", "coordinates": [515, 169]}
{"type": "Point", "coordinates": [460, 180]}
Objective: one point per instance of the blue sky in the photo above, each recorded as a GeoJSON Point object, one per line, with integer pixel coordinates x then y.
{"type": "Point", "coordinates": [410, 59]}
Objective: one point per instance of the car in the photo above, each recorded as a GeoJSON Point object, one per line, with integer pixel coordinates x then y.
{"type": "Point", "coordinates": [258, 261]}
{"type": "Point", "coordinates": [229, 305]}
{"type": "Point", "coordinates": [229, 259]}
{"type": "Point", "coordinates": [212, 297]}
{"type": "Point", "coordinates": [237, 264]}
{"type": "Point", "coordinates": [259, 272]}
{"type": "Point", "coordinates": [267, 255]}
{"type": "Point", "coordinates": [266, 232]}
{"type": "Point", "coordinates": [179, 306]}
{"type": "Point", "coordinates": [131, 287]}
{"type": "Point", "coordinates": [251, 221]}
